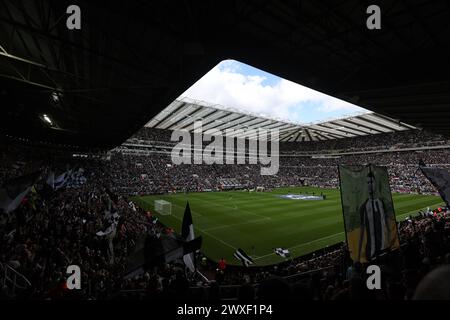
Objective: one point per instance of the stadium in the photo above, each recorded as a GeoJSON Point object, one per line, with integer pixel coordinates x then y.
{"type": "Point", "coordinates": [116, 184]}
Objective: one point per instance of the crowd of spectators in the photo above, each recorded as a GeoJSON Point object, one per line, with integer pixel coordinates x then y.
{"type": "Point", "coordinates": [329, 274]}
{"type": "Point", "coordinates": [382, 141]}
{"type": "Point", "coordinates": [51, 230]}
{"type": "Point", "coordinates": [155, 172]}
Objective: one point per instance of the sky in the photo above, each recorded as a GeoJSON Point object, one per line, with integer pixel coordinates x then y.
{"type": "Point", "coordinates": [248, 89]}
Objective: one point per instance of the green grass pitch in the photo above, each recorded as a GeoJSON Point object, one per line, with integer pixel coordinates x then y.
{"type": "Point", "coordinates": [259, 222]}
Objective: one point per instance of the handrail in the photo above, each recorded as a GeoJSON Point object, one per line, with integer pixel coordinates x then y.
{"type": "Point", "coordinates": [301, 274]}
{"type": "Point", "coordinates": [237, 286]}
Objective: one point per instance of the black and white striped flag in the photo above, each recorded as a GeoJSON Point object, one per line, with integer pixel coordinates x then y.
{"type": "Point", "coordinates": [282, 252]}
{"type": "Point", "coordinates": [440, 179]}
{"type": "Point", "coordinates": [243, 257]}
{"type": "Point", "coordinates": [76, 179]}
{"type": "Point", "coordinates": [112, 223]}
{"type": "Point", "coordinates": [61, 180]}
{"type": "Point", "coordinates": [187, 233]}
{"type": "Point", "coordinates": [114, 197]}
{"type": "Point", "coordinates": [51, 180]}
{"type": "Point", "coordinates": [132, 206]}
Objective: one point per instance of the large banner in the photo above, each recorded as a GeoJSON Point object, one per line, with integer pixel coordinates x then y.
{"type": "Point", "coordinates": [368, 210]}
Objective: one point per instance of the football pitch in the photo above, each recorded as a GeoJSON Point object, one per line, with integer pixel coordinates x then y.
{"type": "Point", "coordinates": [257, 222]}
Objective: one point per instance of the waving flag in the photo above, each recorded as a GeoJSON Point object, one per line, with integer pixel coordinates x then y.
{"type": "Point", "coordinates": [61, 180]}
{"type": "Point", "coordinates": [15, 190]}
{"type": "Point", "coordinates": [153, 251]}
{"type": "Point", "coordinates": [111, 228]}
{"type": "Point", "coordinates": [243, 257]}
{"type": "Point", "coordinates": [132, 206]}
{"type": "Point", "coordinates": [51, 180]}
{"type": "Point", "coordinates": [187, 233]}
{"type": "Point", "coordinates": [114, 197]}
{"type": "Point", "coordinates": [76, 178]}
{"type": "Point", "coordinates": [440, 179]}
{"type": "Point", "coordinates": [282, 252]}
{"type": "Point", "coordinates": [368, 210]}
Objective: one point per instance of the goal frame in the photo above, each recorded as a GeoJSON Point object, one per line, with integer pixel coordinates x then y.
{"type": "Point", "coordinates": [163, 207]}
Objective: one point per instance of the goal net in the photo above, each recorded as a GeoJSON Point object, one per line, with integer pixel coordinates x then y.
{"type": "Point", "coordinates": [163, 207]}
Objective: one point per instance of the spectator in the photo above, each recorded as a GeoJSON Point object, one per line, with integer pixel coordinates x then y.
{"type": "Point", "coordinates": [435, 285]}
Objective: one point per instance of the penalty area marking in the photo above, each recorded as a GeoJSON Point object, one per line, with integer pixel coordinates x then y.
{"type": "Point", "coordinates": [236, 207]}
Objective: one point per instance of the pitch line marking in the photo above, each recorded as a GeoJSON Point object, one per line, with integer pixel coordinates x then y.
{"type": "Point", "coordinates": [205, 232]}
{"type": "Point", "coordinates": [195, 213]}
{"type": "Point", "coordinates": [296, 246]}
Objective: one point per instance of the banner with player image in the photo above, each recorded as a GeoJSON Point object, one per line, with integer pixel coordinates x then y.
{"type": "Point", "coordinates": [369, 216]}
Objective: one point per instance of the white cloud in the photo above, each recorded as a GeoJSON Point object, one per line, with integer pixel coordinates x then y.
{"type": "Point", "coordinates": [227, 85]}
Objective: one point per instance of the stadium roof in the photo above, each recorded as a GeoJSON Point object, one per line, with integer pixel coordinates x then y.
{"type": "Point", "coordinates": [132, 58]}
{"type": "Point", "coordinates": [181, 115]}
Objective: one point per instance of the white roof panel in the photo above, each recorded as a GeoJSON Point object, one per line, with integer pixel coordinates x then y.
{"type": "Point", "coordinates": [181, 114]}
